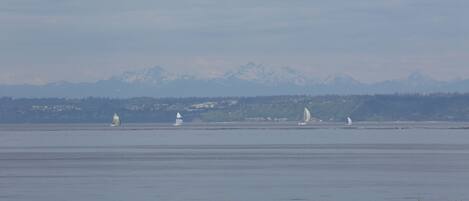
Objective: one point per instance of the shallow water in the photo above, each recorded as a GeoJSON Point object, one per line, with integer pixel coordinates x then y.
{"type": "Point", "coordinates": [76, 164]}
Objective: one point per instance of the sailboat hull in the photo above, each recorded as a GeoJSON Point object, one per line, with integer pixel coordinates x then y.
{"type": "Point", "coordinates": [115, 120]}
{"type": "Point", "coordinates": [179, 120]}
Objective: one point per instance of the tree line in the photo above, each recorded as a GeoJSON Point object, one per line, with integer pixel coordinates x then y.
{"type": "Point", "coordinates": [392, 107]}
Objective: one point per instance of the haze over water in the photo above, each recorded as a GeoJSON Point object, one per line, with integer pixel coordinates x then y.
{"type": "Point", "coordinates": [237, 164]}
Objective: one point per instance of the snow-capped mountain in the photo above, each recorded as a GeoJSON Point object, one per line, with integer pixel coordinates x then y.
{"type": "Point", "coordinates": [153, 76]}
{"type": "Point", "coordinates": [268, 75]}
{"type": "Point", "coordinates": [340, 79]}
{"type": "Point", "coordinates": [247, 80]}
{"type": "Point", "coordinates": [251, 72]}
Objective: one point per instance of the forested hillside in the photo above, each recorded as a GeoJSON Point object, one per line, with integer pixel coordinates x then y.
{"type": "Point", "coordinates": [434, 107]}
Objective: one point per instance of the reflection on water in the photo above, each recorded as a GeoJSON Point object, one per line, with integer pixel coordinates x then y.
{"type": "Point", "coordinates": [234, 164]}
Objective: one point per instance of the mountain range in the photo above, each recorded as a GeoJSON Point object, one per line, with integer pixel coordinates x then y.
{"type": "Point", "coordinates": [247, 80]}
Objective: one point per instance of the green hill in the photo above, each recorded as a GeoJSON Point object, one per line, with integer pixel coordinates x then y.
{"type": "Point", "coordinates": [433, 107]}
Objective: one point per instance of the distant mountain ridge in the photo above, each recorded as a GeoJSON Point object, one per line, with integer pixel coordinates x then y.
{"type": "Point", "coordinates": [250, 72]}
{"type": "Point", "coordinates": [247, 80]}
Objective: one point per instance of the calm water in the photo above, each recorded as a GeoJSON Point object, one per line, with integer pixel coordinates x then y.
{"type": "Point", "coordinates": [229, 165]}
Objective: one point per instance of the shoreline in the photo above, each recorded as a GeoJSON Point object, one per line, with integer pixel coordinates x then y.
{"type": "Point", "coordinates": [394, 125]}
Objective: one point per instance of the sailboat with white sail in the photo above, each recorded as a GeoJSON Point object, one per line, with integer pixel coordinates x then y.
{"type": "Point", "coordinates": [115, 120]}
{"type": "Point", "coordinates": [349, 121]}
{"type": "Point", "coordinates": [306, 117]}
{"type": "Point", "coordinates": [179, 120]}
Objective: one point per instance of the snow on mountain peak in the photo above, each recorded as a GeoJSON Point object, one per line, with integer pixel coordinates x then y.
{"type": "Point", "coordinates": [419, 77]}
{"type": "Point", "coordinates": [251, 72]}
{"type": "Point", "coordinates": [340, 78]}
{"type": "Point", "coordinates": [267, 75]}
{"type": "Point", "coordinates": [154, 75]}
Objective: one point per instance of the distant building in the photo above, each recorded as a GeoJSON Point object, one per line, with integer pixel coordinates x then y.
{"type": "Point", "coordinates": [206, 105]}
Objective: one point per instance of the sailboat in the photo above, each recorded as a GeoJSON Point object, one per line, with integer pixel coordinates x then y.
{"type": "Point", "coordinates": [115, 120]}
{"type": "Point", "coordinates": [349, 121]}
{"type": "Point", "coordinates": [179, 120]}
{"type": "Point", "coordinates": [306, 117]}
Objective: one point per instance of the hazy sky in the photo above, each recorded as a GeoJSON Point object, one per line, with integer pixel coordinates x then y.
{"type": "Point", "coordinates": [51, 40]}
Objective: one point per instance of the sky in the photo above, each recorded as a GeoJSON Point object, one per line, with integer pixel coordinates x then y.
{"type": "Point", "coordinates": [44, 41]}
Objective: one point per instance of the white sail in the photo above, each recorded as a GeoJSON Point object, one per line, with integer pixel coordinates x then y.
{"type": "Point", "coordinates": [116, 120]}
{"type": "Point", "coordinates": [306, 115]}
{"type": "Point", "coordinates": [349, 121]}
{"type": "Point", "coordinates": [179, 120]}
